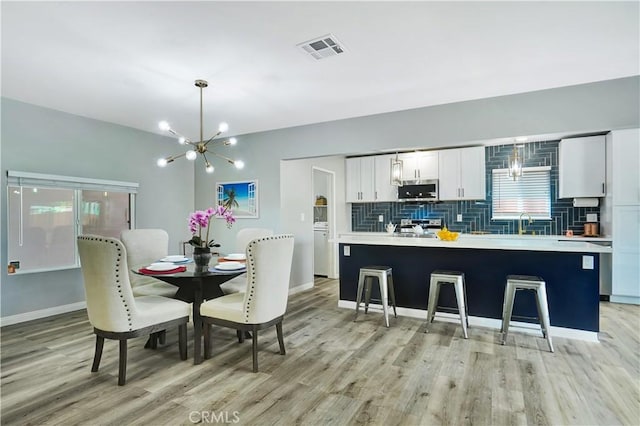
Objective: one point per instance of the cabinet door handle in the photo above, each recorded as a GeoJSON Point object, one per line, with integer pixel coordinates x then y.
{"type": "Point", "coordinates": [603, 187]}
{"type": "Point", "coordinates": [457, 192]}
{"type": "Point", "coordinates": [462, 189]}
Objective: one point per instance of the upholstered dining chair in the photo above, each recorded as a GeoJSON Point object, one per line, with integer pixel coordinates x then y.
{"type": "Point", "coordinates": [264, 301]}
{"type": "Point", "coordinates": [113, 310]}
{"type": "Point", "coordinates": [145, 246]}
{"type": "Point", "coordinates": [243, 238]}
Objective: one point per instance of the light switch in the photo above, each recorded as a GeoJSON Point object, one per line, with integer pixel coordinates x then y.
{"type": "Point", "coordinates": [459, 218]}
{"type": "Point", "coordinates": [347, 250]}
{"type": "Point", "coordinates": [592, 217]}
{"type": "Point", "coordinates": [587, 262]}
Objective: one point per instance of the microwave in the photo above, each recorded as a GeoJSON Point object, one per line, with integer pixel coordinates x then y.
{"type": "Point", "coordinates": [426, 190]}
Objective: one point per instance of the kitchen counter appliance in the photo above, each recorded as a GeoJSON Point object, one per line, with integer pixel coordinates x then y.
{"type": "Point", "coordinates": [426, 190]}
{"type": "Point", "coordinates": [430, 227]}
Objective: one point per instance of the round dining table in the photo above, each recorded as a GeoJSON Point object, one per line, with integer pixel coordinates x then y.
{"type": "Point", "coordinates": [194, 286]}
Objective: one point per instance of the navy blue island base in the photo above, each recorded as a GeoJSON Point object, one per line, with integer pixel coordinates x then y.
{"type": "Point", "coordinates": [573, 292]}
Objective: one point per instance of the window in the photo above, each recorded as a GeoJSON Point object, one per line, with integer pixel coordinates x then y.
{"type": "Point", "coordinates": [531, 193]}
{"type": "Point", "coordinates": [46, 213]}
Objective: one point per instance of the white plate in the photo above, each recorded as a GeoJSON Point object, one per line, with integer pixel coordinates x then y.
{"type": "Point", "coordinates": [174, 258]}
{"type": "Point", "coordinates": [236, 256]}
{"type": "Point", "coordinates": [161, 267]}
{"type": "Point", "coordinates": [229, 266]}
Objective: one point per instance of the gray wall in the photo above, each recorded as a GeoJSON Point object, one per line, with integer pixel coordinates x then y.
{"type": "Point", "coordinates": [41, 140]}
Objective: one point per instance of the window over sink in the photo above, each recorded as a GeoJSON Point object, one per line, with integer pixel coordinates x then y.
{"type": "Point", "coordinates": [531, 194]}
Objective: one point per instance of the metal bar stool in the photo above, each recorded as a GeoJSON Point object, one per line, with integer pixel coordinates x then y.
{"type": "Point", "coordinates": [455, 278]}
{"type": "Point", "coordinates": [385, 280]}
{"type": "Point", "coordinates": [526, 282]}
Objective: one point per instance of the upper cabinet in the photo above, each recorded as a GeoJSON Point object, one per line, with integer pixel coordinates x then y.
{"type": "Point", "coordinates": [419, 165]}
{"type": "Point", "coordinates": [625, 149]}
{"type": "Point", "coordinates": [383, 190]}
{"type": "Point", "coordinates": [582, 171]}
{"type": "Point", "coordinates": [369, 179]}
{"type": "Point", "coordinates": [462, 174]}
{"type": "Point", "coordinates": [360, 175]}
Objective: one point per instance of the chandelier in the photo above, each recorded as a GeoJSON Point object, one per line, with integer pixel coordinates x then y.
{"type": "Point", "coordinates": [202, 146]}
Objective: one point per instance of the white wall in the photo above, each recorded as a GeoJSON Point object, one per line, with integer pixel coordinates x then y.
{"type": "Point", "coordinates": [296, 201]}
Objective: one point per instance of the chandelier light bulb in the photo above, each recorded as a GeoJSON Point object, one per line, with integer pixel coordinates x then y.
{"type": "Point", "coordinates": [233, 141]}
{"type": "Point", "coordinates": [163, 125]}
{"type": "Point", "coordinates": [191, 155]}
{"type": "Point", "coordinates": [239, 164]}
{"type": "Point", "coordinates": [182, 140]}
{"type": "Point", "coordinates": [162, 162]}
{"type": "Point", "coordinates": [209, 168]}
{"type": "Point", "coordinates": [223, 127]}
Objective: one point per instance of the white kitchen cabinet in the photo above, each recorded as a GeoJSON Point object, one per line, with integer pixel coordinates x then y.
{"type": "Point", "coordinates": [582, 167]}
{"type": "Point", "coordinates": [360, 179]}
{"type": "Point", "coordinates": [462, 174]}
{"type": "Point", "coordinates": [625, 148]}
{"type": "Point", "coordinates": [625, 286]}
{"type": "Point", "coordinates": [421, 165]}
{"type": "Point", "coordinates": [383, 190]}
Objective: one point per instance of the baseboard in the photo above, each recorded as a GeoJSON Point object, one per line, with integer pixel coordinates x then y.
{"type": "Point", "coordinates": [42, 313]}
{"type": "Point", "coordinates": [301, 287]}
{"type": "Point", "coordinates": [525, 327]}
{"type": "Point", "coordinates": [629, 300]}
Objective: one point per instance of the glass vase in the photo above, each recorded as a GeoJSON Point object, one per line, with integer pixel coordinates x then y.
{"type": "Point", "coordinates": [201, 258]}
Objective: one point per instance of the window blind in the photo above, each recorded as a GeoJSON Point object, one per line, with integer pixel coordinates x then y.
{"type": "Point", "coordinates": [531, 193]}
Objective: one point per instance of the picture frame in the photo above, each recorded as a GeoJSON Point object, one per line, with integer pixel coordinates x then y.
{"type": "Point", "coordinates": [241, 197]}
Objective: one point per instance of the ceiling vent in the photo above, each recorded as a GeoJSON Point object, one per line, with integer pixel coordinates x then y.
{"type": "Point", "coordinates": [322, 47]}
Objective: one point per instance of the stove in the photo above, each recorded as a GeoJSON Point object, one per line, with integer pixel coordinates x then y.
{"type": "Point", "coordinates": [430, 226]}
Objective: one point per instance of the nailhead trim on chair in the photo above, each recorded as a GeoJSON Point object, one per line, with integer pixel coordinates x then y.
{"type": "Point", "coordinates": [251, 263]}
{"type": "Point", "coordinates": [119, 248]}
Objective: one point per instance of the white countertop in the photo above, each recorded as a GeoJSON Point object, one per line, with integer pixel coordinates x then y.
{"type": "Point", "coordinates": [487, 242]}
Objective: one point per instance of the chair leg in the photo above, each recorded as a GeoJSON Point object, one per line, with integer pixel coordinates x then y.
{"type": "Point", "coordinates": [240, 335]}
{"type": "Point", "coordinates": [162, 337]}
{"type": "Point", "coordinates": [433, 302]}
{"type": "Point", "coordinates": [392, 293]}
{"type": "Point", "coordinates": [182, 341]}
{"type": "Point", "coordinates": [98, 354]}
{"type": "Point", "coordinates": [280, 338]}
{"type": "Point", "coordinates": [461, 306]}
{"type": "Point", "coordinates": [509, 295]}
{"type": "Point", "coordinates": [254, 349]}
{"type": "Point", "coordinates": [541, 296]}
{"type": "Point", "coordinates": [122, 368]}
{"type": "Point", "coordinates": [206, 331]}
{"type": "Point", "coordinates": [153, 339]}
{"type": "Point", "coordinates": [359, 294]}
{"type": "Point", "coordinates": [384, 295]}
{"type": "Point", "coordinates": [368, 281]}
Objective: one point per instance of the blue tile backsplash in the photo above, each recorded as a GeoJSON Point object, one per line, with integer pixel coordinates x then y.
{"type": "Point", "coordinates": [476, 215]}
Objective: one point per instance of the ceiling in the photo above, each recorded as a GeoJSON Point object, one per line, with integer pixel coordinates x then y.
{"type": "Point", "coordinates": [135, 63]}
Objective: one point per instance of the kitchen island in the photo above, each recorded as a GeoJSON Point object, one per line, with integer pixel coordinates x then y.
{"type": "Point", "coordinates": [570, 268]}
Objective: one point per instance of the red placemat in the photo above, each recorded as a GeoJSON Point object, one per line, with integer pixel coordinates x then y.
{"type": "Point", "coordinates": [170, 271]}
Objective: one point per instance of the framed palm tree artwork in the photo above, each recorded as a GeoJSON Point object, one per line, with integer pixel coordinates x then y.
{"type": "Point", "coordinates": [240, 197]}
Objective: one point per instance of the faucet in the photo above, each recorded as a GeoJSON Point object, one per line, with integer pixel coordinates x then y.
{"type": "Point", "coordinates": [521, 230]}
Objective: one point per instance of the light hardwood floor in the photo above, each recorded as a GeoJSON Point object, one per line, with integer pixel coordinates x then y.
{"type": "Point", "coordinates": [335, 372]}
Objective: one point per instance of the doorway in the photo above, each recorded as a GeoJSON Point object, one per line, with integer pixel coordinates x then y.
{"type": "Point", "coordinates": [324, 223]}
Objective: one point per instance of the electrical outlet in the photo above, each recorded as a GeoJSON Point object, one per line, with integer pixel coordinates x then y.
{"type": "Point", "coordinates": [459, 218]}
{"type": "Point", "coordinates": [347, 250]}
{"type": "Point", "coordinates": [380, 218]}
{"type": "Point", "coordinates": [592, 217]}
{"type": "Point", "coordinates": [587, 262]}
